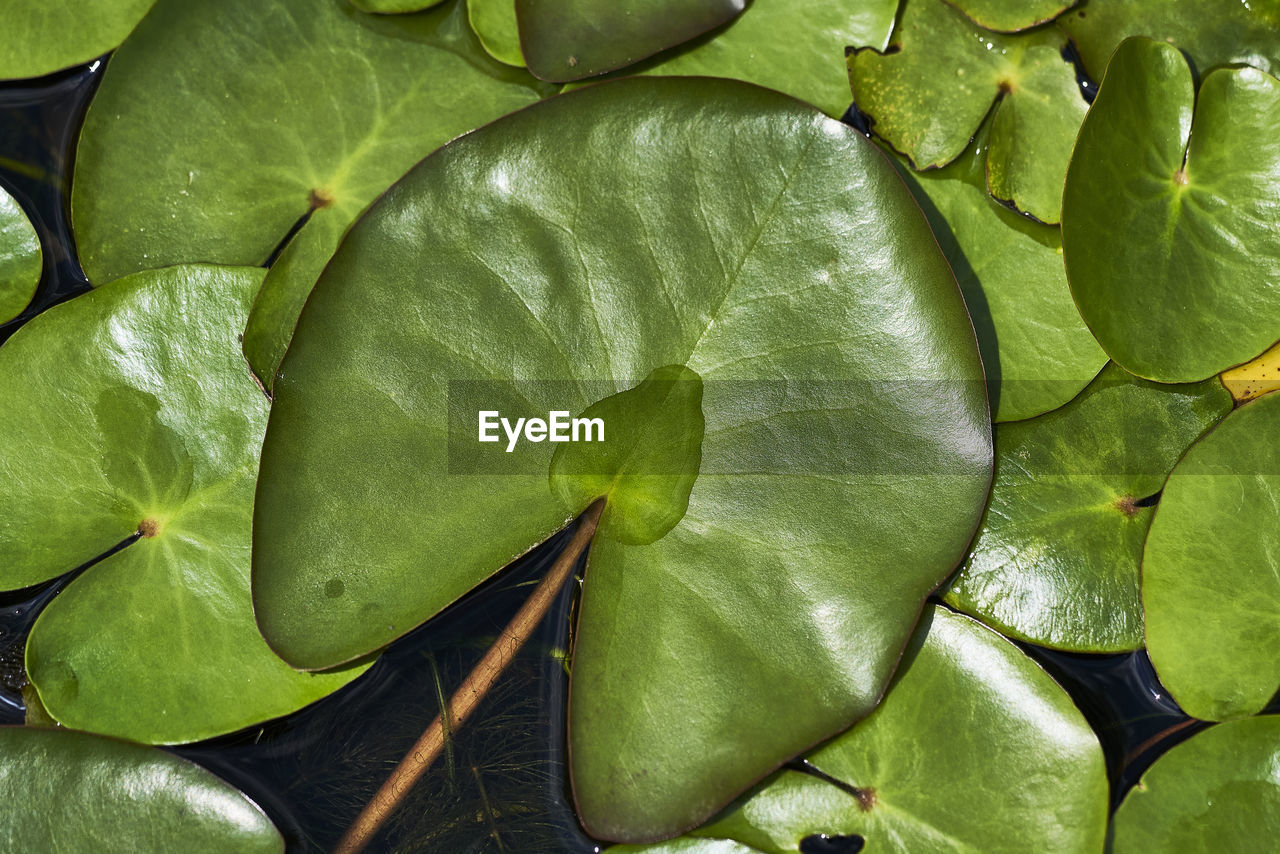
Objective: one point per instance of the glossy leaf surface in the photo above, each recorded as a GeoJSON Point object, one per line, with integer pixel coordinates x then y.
{"type": "Point", "coordinates": [72, 792]}
{"type": "Point", "coordinates": [153, 428]}
{"type": "Point", "coordinates": [1218, 791]}
{"type": "Point", "coordinates": [494, 23]}
{"type": "Point", "coordinates": [1212, 32]}
{"type": "Point", "coordinates": [20, 258]}
{"type": "Point", "coordinates": [968, 712]}
{"type": "Point", "coordinates": [566, 40]}
{"type": "Point", "coordinates": [1056, 561]}
{"type": "Point", "coordinates": [330, 107]}
{"type": "Point", "coordinates": [1037, 352]}
{"type": "Point", "coordinates": [1169, 215]}
{"type": "Point", "coordinates": [43, 36]}
{"type": "Point", "coordinates": [1009, 16]}
{"type": "Point", "coordinates": [929, 95]}
{"type": "Point", "coordinates": [558, 258]}
{"type": "Point", "coordinates": [1211, 570]}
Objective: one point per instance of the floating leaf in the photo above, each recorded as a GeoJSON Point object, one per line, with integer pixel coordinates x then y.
{"type": "Point", "coordinates": [153, 428]}
{"type": "Point", "coordinates": [552, 262]}
{"type": "Point", "coordinates": [494, 23]}
{"type": "Point", "coordinates": [1037, 351]}
{"type": "Point", "coordinates": [221, 124]}
{"type": "Point", "coordinates": [394, 7]}
{"type": "Point", "coordinates": [74, 792]}
{"type": "Point", "coordinates": [1259, 377]}
{"type": "Point", "coordinates": [967, 713]}
{"type": "Point", "coordinates": [929, 95]}
{"type": "Point", "coordinates": [566, 40]}
{"type": "Point", "coordinates": [20, 258]}
{"type": "Point", "coordinates": [1009, 16]}
{"type": "Point", "coordinates": [1211, 570]}
{"type": "Point", "coordinates": [1169, 223]}
{"type": "Point", "coordinates": [43, 36]}
{"type": "Point", "coordinates": [1056, 561]}
{"type": "Point", "coordinates": [1218, 791]}
{"type": "Point", "coordinates": [1213, 33]}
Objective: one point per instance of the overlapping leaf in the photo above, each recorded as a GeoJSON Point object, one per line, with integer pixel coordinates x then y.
{"type": "Point", "coordinates": [153, 428]}
{"type": "Point", "coordinates": [1009, 16]}
{"type": "Point", "coordinates": [1169, 221]}
{"type": "Point", "coordinates": [668, 230]}
{"type": "Point", "coordinates": [967, 713]}
{"type": "Point", "coordinates": [1211, 569]}
{"type": "Point", "coordinates": [1056, 561]}
{"type": "Point", "coordinates": [20, 258]}
{"type": "Point", "coordinates": [1256, 378]}
{"type": "Point", "coordinates": [221, 124]}
{"type": "Point", "coordinates": [1219, 791]}
{"type": "Point", "coordinates": [494, 23]}
{"type": "Point", "coordinates": [930, 93]}
{"type": "Point", "coordinates": [43, 36]}
{"type": "Point", "coordinates": [1037, 352]}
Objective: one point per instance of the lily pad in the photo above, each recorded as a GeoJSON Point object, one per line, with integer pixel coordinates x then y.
{"type": "Point", "coordinates": [43, 36]}
{"type": "Point", "coordinates": [967, 713]}
{"type": "Point", "coordinates": [394, 7]}
{"type": "Point", "coordinates": [20, 258]}
{"type": "Point", "coordinates": [154, 431]}
{"type": "Point", "coordinates": [74, 792]}
{"type": "Point", "coordinates": [644, 229]}
{"type": "Point", "coordinates": [794, 46]}
{"type": "Point", "coordinates": [1213, 33]}
{"type": "Point", "coordinates": [566, 40]}
{"type": "Point", "coordinates": [943, 74]}
{"type": "Point", "coordinates": [329, 108]}
{"type": "Point", "coordinates": [1211, 570]}
{"type": "Point", "coordinates": [1037, 351]}
{"type": "Point", "coordinates": [494, 23]}
{"type": "Point", "coordinates": [1218, 791]}
{"type": "Point", "coordinates": [1259, 377]}
{"type": "Point", "coordinates": [1056, 561]}
{"type": "Point", "coordinates": [1009, 16]}
{"type": "Point", "coordinates": [1168, 222]}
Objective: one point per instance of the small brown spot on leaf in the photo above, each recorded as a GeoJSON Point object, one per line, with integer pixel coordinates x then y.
{"type": "Point", "coordinates": [148, 528]}
{"type": "Point", "coordinates": [866, 798]}
{"type": "Point", "coordinates": [1127, 505]}
{"type": "Point", "coordinates": [320, 198]}
{"type": "Point", "coordinates": [1006, 86]}
{"type": "Point", "coordinates": [573, 61]}
{"type": "Point", "coordinates": [1180, 178]}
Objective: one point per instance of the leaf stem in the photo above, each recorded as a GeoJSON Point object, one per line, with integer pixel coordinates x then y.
{"type": "Point", "coordinates": [477, 684]}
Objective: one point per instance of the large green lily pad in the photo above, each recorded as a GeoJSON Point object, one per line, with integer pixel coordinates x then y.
{"type": "Point", "coordinates": [1218, 791]}
{"type": "Point", "coordinates": [20, 258]}
{"type": "Point", "coordinates": [43, 36]}
{"type": "Point", "coordinates": [72, 792]}
{"type": "Point", "coordinates": [794, 46]}
{"type": "Point", "coordinates": [764, 264]}
{"type": "Point", "coordinates": [1212, 32]}
{"type": "Point", "coordinates": [930, 93]}
{"type": "Point", "coordinates": [1169, 221]}
{"type": "Point", "coordinates": [566, 40]}
{"type": "Point", "coordinates": [220, 124]}
{"type": "Point", "coordinates": [1211, 570]}
{"type": "Point", "coordinates": [967, 713]}
{"type": "Point", "coordinates": [153, 428]}
{"type": "Point", "coordinates": [1009, 16]}
{"type": "Point", "coordinates": [1056, 561]}
{"type": "Point", "coordinates": [1037, 351]}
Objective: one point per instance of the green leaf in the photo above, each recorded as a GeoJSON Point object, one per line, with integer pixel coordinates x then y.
{"type": "Point", "coordinates": [1211, 570]}
{"type": "Point", "coordinates": [968, 712]}
{"type": "Point", "coordinates": [394, 7]}
{"type": "Point", "coordinates": [1213, 33]}
{"type": "Point", "coordinates": [566, 40]}
{"type": "Point", "coordinates": [1218, 791]}
{"type": "Point", "coordinates": [20, 258]}
{"type": "Point", "coordinates": [794, 46]}
{"type": "Point", "coordinates": [1056, 561]}
{"type": "Point", "coordinates": [154, 429]}
{"type": "Point", "coordinates": [561, 256]}
{"type": "Point", "coordinates": [1037, 351]}
{"type": "Point", "coordinates": [1009, 16]}
{"type": "Point", "coordinates": [494, 23]}
{"type": "Point", "coordinates": [73, 792]}
{"type": "Point", "coordinates": [929, 95]}
{"type": "Point", "coordinates": [329, 108]}
{"type": "Point", "coordinates": [1168, 226]}
{"type": "Point", "coordinates": [43, 36]}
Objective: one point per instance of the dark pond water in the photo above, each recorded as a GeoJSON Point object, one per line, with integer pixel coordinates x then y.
{"type": "Point", "coordinates": [501, 786]}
